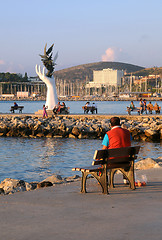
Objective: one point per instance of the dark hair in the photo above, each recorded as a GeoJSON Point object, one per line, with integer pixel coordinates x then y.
{"type": "Point", "coordinates": [115, 121]}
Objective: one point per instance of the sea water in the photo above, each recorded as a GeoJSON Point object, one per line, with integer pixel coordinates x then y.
{"type": "Point", "coordinates": [36, 159]}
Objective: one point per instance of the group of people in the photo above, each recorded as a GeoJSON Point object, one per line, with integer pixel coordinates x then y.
{"type": "Point", "coordinates": [143, 107]}
{"type": "Point", "coordinates": [59, 108]}
{"type": "Point", "coordinates": [88, 107]}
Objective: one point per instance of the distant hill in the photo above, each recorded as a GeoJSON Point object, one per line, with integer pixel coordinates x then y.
{"type": "Point", "coordinates": [149, 71]}
{"type": "Point", "coordinates": [85, 71]}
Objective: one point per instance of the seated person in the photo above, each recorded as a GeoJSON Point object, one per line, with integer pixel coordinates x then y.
{"type": "Point", "coordinates": [57, 108]}
{"type": "Point", "coordinates": [94, 108]}
{"type": "Point", "coordinates": [132, 107]}
{"type": "Point", "coordinates": [150, 107]}
{"type": "Point", "coordinates": [62, 107]}
{"type": "Point", "coordinates": [156, 108]}
{"type": "Point", "coordinates": [15, 104]}
{"type": "Point", "coordinates": [86, 107]}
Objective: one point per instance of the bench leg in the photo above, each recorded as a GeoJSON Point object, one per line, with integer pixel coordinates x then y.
{"type": "Point", "coordinates": [83, 183]}
{"type": "Point", "coordinates": [128, 174]}
{"type": "Point", "coordinates": [111, 178]}
{"type": "Point", "coordinates": [100, 177]}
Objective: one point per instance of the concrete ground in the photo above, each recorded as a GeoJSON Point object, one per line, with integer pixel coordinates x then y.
{"type": "Point", "coordinates": [62, 212]}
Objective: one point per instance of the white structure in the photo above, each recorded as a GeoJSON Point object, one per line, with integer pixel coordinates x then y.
{"type": "Point", "coordinates": [51, 98]}
{"type": "Point", "coordinates": [106, 77]}
{"type": "Point", "coordinates": [23, 94]}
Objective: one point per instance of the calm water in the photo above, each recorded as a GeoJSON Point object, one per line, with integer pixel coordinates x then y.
{"type": "Point", "coordinates": [36, 159]}
{"type": "Point", "coordinates": [104, 107]}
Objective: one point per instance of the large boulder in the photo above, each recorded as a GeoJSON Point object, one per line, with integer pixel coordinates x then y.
{"type": "Point", "coordinates": [76, 131]}
{"type": "Point", "coordinates": [152, 134]}
{"type": "Point", "coordinates": [146, 164]}
{"type": "Point", "coordinates": [54, 179]}
{"type": "Point", "coordinates": [10, 185]}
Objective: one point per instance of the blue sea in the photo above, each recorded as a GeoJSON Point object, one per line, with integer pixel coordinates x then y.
{"type": "Point", "coordinates": [35, 159]}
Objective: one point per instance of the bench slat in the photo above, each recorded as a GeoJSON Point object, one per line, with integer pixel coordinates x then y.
{"type": "Point", "coordinates": [116, 152]}
{"type": "Point", "coordinates": [87, 169]}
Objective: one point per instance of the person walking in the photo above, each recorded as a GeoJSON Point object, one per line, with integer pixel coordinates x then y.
{"type": "Point", "coordinates": [44, 111]}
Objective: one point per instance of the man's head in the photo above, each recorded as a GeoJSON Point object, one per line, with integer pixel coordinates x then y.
{"type": "Point", "coordinates": [115, 121]}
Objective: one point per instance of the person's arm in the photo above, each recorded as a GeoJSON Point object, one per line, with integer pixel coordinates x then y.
{"type": "Point", "coordinates": [105, 142]}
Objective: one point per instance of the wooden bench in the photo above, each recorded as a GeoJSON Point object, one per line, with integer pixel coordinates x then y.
{"type": "Point", "coordinates": [110, 160]}
{"type": "Point", "coordinates": [91, 109]}
{"type": "Point", "coordinates": [62, 111]}
{"type": "Point", "coordinates": [13, 108]}
{"type": "Point", "coordinates": [129, 110]}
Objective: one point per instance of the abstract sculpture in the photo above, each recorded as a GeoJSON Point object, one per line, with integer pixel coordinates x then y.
{"type": "Point", "coordinates": [48, 78]}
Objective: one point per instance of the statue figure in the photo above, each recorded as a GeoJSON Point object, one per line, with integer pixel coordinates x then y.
{"type": "Point", "coordinates": [48, 78]}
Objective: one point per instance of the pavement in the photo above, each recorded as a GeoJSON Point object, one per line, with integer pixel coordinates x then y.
{"type": "Point", "coordinates": [62, 212]}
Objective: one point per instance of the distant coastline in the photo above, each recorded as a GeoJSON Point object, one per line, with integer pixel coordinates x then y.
{"type": "Point", "coordinates": [85, 98]}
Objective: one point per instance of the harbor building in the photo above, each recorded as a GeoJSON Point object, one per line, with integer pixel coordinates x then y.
{"type": "Point", "coordinates": [107, 79]}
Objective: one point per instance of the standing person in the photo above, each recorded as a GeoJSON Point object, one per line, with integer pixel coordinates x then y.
{"type": "Point", "coordinates": [44, 111]}
{"type": "Point", "coordinates": [144, 106]}
{"type": "Point", "coordinates": [117, 137]}
{"type": "Point", "coordinates": [141, 106]}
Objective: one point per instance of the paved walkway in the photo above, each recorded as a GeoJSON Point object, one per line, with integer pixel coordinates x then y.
{"type": "Point", "coordinates": [62, 212]}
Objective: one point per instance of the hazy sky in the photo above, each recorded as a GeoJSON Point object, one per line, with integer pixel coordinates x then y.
{"type": "Point", "coordinates": [83, 31]}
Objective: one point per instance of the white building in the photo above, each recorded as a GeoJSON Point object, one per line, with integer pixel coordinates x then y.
{"type": "Point", "coordinates": [106, 77]}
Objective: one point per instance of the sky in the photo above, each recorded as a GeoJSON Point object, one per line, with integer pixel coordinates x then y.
{"type": "Point", "coordinates": [83, 31]}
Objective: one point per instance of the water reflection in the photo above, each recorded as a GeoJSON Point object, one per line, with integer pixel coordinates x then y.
{"type": "Point", "coordinates": [36, 159]}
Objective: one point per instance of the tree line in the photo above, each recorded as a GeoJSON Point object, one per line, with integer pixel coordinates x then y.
{"type": "Point", "coordinates": [13, 77]}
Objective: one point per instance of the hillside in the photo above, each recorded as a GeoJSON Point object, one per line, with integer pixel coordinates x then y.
{"type": "Point", "coordinates": [149, 71]}
{"type": "Point", "coordinates": [85, 71]}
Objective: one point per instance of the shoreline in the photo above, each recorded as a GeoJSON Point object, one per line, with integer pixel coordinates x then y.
{"type": "Point", "coordinates": [43, 98]}
{"type": "Point", "coordinates": [10, 186]}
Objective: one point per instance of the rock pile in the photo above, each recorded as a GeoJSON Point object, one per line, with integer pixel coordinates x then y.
{"type": "Point", "coordinates": [10, 186]}
{"type": "Point", "coordinates": [149, 128]}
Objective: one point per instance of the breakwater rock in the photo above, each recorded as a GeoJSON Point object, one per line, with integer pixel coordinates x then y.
{"type": "Point", "coordinates": [145, 129]}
